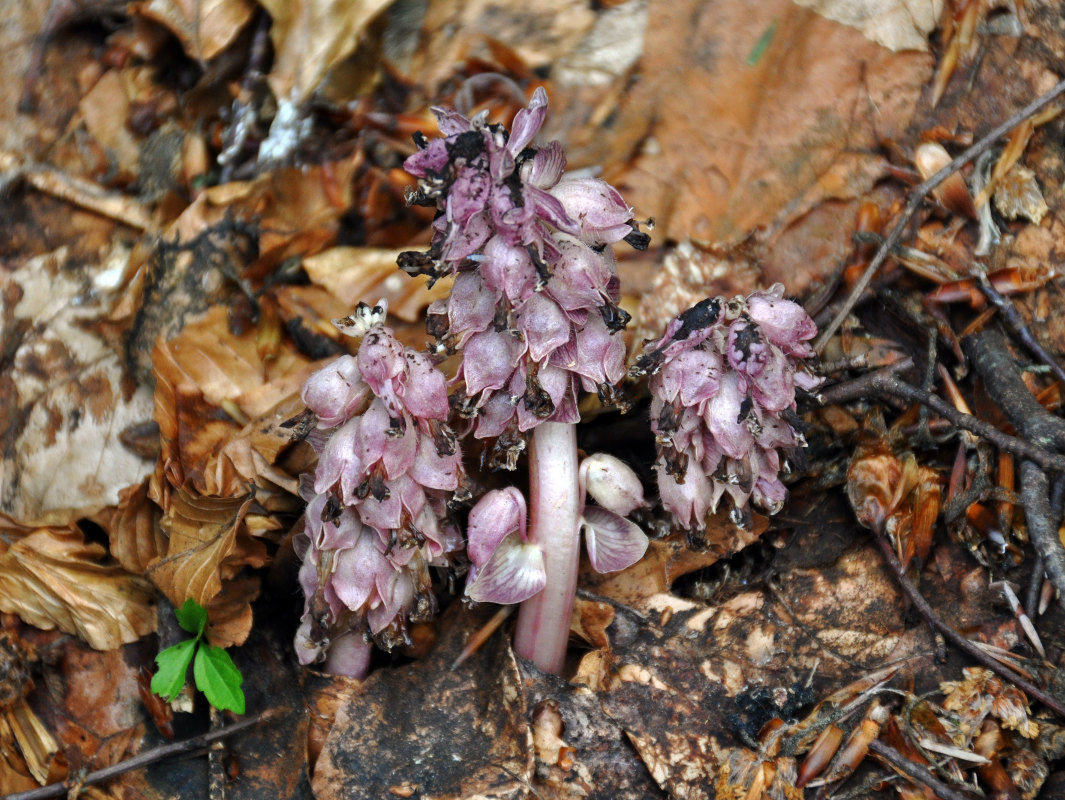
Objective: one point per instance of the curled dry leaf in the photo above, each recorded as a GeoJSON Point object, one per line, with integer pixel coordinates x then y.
{"type": "Point", "coordinates": [53, 578]}
{"type": "Point", "coordinates": [65, 398]}
{"type": "Point", "coordinates": [133, 529]}
{"type": "Point", "coordinates": [204, 27]}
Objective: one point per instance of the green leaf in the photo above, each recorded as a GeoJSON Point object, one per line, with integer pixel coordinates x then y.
{"type": "Point", "coordinates": [173, 666]}
{"type": "Point", "coordinates": [218, 678]}
{"type": "Point", "coordinates": [192, 617]}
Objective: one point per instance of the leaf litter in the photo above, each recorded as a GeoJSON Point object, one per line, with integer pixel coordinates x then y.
{"type": "Point", "coordinates": [158, 322]}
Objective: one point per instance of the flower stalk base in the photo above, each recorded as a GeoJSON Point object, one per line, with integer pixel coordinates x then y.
{"type": "Point", "coordinates": [542, 632]}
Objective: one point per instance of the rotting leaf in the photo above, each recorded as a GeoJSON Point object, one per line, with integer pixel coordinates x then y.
{"type": "Point", "coordinates": [53, 578]}
{"type": "Point", "coordinates": [66, 397]}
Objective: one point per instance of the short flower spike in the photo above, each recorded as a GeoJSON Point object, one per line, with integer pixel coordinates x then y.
{"type": "Point", "coordinates": [723, 380]}
{"type": "Point", "coordinates": [377, 518]}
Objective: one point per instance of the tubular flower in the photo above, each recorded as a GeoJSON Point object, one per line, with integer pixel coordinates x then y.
{"type": "Point", "coordinates": [534, 304]}
{"type": "Point", "coordinates": [377, 515]}
{"type": "Point", "coordinates": [722, 381]}
{"type": "Point", "coordinates": [508, 568]}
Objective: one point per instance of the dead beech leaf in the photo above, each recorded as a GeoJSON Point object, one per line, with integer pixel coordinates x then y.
{"type": "Point", "coordinates": [896, 24]}
{"type": "Point", "coordinates": [370, 274]}
{"type": "Point", "coordinates": [754, 151]}
{"type": "Point", "coordinates": [310, 36]}
{"type": "Point", "coordinates": [66, 397]}
{"type": "Point", "coordinates": [104, 111]}
{"type": "Point", "coordinates": [202, 536]}
{"type": "Point", "coordinates": [133, 529]}
{"type": "Point", "coordinates": [204, 27]}
{"type": "Point", "coordinates": [53, 578]}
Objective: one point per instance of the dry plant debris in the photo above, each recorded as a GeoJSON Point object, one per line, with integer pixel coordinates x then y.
{"type": "Point", "coordinates": [194, 191]}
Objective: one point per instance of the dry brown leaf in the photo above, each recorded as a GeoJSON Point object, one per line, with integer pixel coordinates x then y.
{"type": "Point", "coordinates": [104, 110]}
{"type": "Point", "coordinates": [370, 274]}
{"type": "Point", "coordinates": [66, 398]}
{"type": "Point", "coordinates": [202, 536]}
{"type": "Point", "coordinates": [896, 24]}
{"type": "Point", "coordinates": [755, 149]}
{"type": "Point", "coordinates": [310, 36]}
{"type": "Point", "coordinates": [53, 578]}
{"type": "Point", "coordinates": [540, 33]}
{"type": "Point", "coordinates": [133, 529]}
{"type": "Point", "coordinates": [204, 27]}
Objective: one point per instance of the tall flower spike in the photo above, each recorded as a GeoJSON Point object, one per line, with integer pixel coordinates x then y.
{"type": "Point", "coordinates": [534, 305]}
{"type": "Point", "coordinates": [377, 516]}
{"type": "Point", "coordinates": [723, 379]}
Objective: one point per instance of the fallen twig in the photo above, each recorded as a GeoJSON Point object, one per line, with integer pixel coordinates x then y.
{"type": "Point", "coordinates": [917, 196]}
{"type": "Point", "coordinates": [886, 382]}
{"type": "Point", "coordinates": [1012, 317]}
{"type": "Point", "coordinates": [142, 759]}
{"type": "Point", "coordinates": [916, 772]}
{"type": "Point", "coordinates": [1003, 383]}
{"type": "Point", "coordinates": [933, 619]}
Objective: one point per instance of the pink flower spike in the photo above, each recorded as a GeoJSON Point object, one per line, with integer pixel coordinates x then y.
{"type": "Point", "coordinates": [514, 573]}
{"type": "Point", "coordinates": [611, 483]}
{"type": "Point", "coordinates": [498, 514]}
{"type": "Point", "coordinates": [613, 542]}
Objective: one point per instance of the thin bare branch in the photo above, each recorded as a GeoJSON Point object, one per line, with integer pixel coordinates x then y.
{"type": "Point", "coordinates": [142, 760]}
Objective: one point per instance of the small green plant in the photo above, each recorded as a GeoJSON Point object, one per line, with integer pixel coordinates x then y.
{"type": "Point", "coordinates": [213, 670]}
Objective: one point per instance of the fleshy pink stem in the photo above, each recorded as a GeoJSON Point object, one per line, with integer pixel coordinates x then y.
{"type": "Point", "coordinates": [542, 632]}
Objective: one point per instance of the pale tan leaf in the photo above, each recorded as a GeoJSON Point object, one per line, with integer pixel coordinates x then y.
{"type": "Point", "coordinates": [204, 27]}
{"type": "Point", "coordinates": [896, 24]}
{"type": "Point", "coordinates": [67, 397]}
{"type": "Point", "coordinates": [310, 36]}
{"type": "Point", "coordinates": [370, 274]}
{"type": "Point", "coordinates": [53, 578]}
{"type": "Point", "coordinates": [202, 535]}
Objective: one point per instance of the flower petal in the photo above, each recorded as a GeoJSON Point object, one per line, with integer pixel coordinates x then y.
{"type": "Point", "coordinates": [613, 542]}
{"type": "Point", "coordinates": [513, 574]}
{"type": "Point", "coordinates": [498, 514]}
{"type": "Point", "coordinates": [611, 483]}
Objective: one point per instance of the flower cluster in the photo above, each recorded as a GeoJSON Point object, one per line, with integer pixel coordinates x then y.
{"type": "Point", "coordinates": [534, 303]}
{"type": "Point", "coordinates": [508, 568]}
{"type": "Point", "coordinates": [377, 516]}
{"type": "Point", "coordinates": [723, 380]}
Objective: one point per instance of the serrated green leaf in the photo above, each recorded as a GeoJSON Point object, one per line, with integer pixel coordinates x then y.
{"type": "Point", "coordinates": [219, 679]}
{"type": "Point", "coordinates": [173, 666]}
{"type": "Point", "coordinates": [192, 617]}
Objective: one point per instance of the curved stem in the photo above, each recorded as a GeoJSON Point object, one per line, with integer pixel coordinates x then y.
{"type": "Point", "coordinates": [542, 631]}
